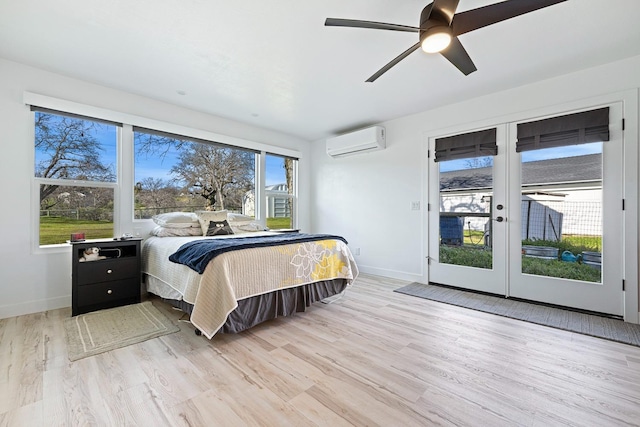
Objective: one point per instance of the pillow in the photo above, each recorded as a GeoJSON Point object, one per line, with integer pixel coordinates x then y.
{"type": "Point", "coordinates": [176, 232]}
{"type": "Point", "coordinates": [205, 216]}
{"type": "Point", "coordinates": [176, 220]}
{"type": "Point", "coordinates": [236, 218]}
{"type": "Point", "coordinates": [219, 228]}
{"type": "Point", "coordinates": [249, 227]}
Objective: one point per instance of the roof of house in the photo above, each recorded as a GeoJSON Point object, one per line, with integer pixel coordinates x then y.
{"type": "Point", "coordinates": [562, 170]}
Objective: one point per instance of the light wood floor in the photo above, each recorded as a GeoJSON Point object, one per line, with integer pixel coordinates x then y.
{"type": "Point", "coordinates": [375, 357]}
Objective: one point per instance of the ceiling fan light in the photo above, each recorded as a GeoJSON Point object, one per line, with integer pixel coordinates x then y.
{"type": "Point", "coordinates": [436, 39]}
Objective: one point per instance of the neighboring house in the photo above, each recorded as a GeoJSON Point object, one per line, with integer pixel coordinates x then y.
{"type": "Point", "coordinates": [278, 205]}
{"type": "Point", "coordinates": [560, 196]}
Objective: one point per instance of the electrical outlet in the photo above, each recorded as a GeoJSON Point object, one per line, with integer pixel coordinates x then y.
{"type": "Point", "coordinates": [356, 251]}
{"type": "Point", "coordinates": [415, 206]}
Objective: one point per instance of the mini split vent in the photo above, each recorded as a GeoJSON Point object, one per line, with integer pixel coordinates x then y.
{"type": "Point", "coordinates": [360, 141]}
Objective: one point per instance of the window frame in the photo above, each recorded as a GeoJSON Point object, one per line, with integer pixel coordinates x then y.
{"type": "Point", "coordinates": [123, 220]}
{"type": "Point", "coordinates": [190, 140]}
{"type": "Point", "coordinates": [293, 196]}
{"type": "Point", "coordinates": [36, 181]}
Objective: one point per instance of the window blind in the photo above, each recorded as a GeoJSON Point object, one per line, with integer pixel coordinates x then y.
{"type": "Point", "coordinates": [72, 115]}
{"type": "Point", "coordinates": [570, 129]}
{"type": "Point", "coordinates": [473, 144]}
{"type": "Point", "coordinates": [190, 138]}
{"type": "Point", "coordinates": [283, 156]}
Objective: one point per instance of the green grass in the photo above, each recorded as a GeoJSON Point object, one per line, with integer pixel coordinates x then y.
{"type": "Point", "coordinates": [275, 223]}
{"type": "Point", "coordinates": [54, 230]}
{"type": "Point", "coordinates": [473, 237]}
{"type": "Point", "coordinates": [565, 270]}
{"type": "Point", "coordinates": [575, 244]}
{"type": "Point", "coordinates": [467, 256]}
{"type": "Point", "coordinates": [480, 258]}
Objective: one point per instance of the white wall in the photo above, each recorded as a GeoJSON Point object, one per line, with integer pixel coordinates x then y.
{"type": "Point", "coordinates": [32, 282]}
{"type": "Point", "coordinates": [367, 198]}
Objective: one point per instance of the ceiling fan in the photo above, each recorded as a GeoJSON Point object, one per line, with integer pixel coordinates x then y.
{"type": "Point", "coordinates": [440, 27]}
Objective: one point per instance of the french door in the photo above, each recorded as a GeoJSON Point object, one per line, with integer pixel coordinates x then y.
{"type": "Point", "coordinates": [541, 221]}
{"type": "Point", "coordinates": [467, 212]}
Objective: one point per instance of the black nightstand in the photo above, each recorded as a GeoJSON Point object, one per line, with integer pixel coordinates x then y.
{"type": "Point", "coordinates": [105, 283]}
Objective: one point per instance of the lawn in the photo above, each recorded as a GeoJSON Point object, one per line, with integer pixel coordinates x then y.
{"type": "Point", "coordinates": [480, 258]}
{"type": "Point", "coordinates": [54, 230]}
{"type": "Point", "coordinates": [276, 223]}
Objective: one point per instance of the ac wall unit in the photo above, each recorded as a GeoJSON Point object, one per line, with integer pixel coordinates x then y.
{"type": "Point", "coordinates": [360, 141]}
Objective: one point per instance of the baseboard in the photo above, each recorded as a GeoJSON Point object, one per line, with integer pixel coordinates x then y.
{"type": "Point", "coordinates": [34, 306]}
{"type": "Point", "coordinates": [391, 274]}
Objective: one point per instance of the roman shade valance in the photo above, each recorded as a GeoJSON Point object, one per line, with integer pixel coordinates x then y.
{"type": "Point", "coordinates": [467, 145]}
{"type": "Point", "coordinates": [189, 138]}
{"type": "Point", "coordinates": [571, 129]}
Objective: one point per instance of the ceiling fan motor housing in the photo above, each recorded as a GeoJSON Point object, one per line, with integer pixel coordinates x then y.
{"type": "Point", "coordinates": [431, 18]}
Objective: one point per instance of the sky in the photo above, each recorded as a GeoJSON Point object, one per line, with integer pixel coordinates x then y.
{"type": "Point", "coordinates": [534, 155]}
{"type": "Point", "coordinates": [159, 167]}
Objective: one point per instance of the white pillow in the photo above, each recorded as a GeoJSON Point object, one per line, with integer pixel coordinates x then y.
{"type": "Point", "coordinates": [176, 232]}
{"type": "Point", "coordinates": [236, 218]}
{"type": "Point", "coordinates": [176, 220]}
{"type": "Point", "coordinates": [248, 227]}
{"type": "Point", "coordinates": [205, 216]}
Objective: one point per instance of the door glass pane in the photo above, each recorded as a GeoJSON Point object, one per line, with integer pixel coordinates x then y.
{"type": "Point", "coordinates": [561, 209]}
{"type": "Point", "coordinates": [466, 189]}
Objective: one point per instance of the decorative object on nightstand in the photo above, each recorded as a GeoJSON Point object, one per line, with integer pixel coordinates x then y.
{"type": "Point", "coordinates": [105, 274]}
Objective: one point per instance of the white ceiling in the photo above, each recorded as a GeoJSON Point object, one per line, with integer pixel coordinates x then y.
{"type": "Point", "coordinates": [274, 64]}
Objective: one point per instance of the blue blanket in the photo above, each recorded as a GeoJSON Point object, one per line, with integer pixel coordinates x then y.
{"type": "Point", "coordinates": [197, 254]}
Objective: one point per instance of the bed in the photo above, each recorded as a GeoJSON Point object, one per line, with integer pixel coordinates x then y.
{"type": "Point", "coordinates": [246, 284]}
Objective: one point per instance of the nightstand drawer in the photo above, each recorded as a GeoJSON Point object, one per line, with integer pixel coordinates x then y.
{"type": "Point", "coordinates": [109, 291]}
{"type": "Point", "coordinates": [107, 270]}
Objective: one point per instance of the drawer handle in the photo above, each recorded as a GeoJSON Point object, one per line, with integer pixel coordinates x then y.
{"type": "Point", "coordinates": [109, 271]}
{"type": "Point", "coordinates": [109, 291]}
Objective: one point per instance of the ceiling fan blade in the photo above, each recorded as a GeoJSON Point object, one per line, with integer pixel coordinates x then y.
{"type": "Point", "coordinates": [458, 56]}
{"type": "Point", "coordinates": [397, 59]}
{"type": "Point", "coordinates": [447, 8]}
{"type": "Point", "coordinates": [470, 20]}
{"type": "Point", "coordinates": [337, 22]}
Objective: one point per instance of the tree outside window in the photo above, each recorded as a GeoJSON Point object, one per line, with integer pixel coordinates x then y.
{"type": "Point", "coordinates": [76, 173]}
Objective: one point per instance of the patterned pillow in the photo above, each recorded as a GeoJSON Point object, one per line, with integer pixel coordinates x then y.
{"type": "Point", "coordinates": [219, 228]}
{"type": "Point", "coordinates": [205, 216]}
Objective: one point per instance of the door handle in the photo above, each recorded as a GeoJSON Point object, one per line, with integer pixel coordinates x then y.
{"type": "Point", "coordinates": [500, 219]}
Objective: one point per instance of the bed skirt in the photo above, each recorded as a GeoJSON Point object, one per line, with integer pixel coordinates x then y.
{"type": "Point", "coordinates": [285, 302]}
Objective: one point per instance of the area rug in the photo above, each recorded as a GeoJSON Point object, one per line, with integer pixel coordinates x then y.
{"type": "Point", "coordinates": [99, 331]}
{"type": "Point", "coordinates": [582, 323]}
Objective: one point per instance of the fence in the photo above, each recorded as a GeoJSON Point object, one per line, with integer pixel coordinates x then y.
{"type": "Point", "coordinates": [549, 220]}
{"type": "Point", "coordinates": [84, 214]}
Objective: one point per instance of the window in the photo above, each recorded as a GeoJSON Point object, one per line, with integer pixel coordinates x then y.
{"type": "Point", "coordinates": [79, 186]}
{"type": "Point", "coordinates": [280, 178]}
{"type": "Point", "coordinates": [178, 173]}
{"type": "Point", "coordinates": [75, 173]}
